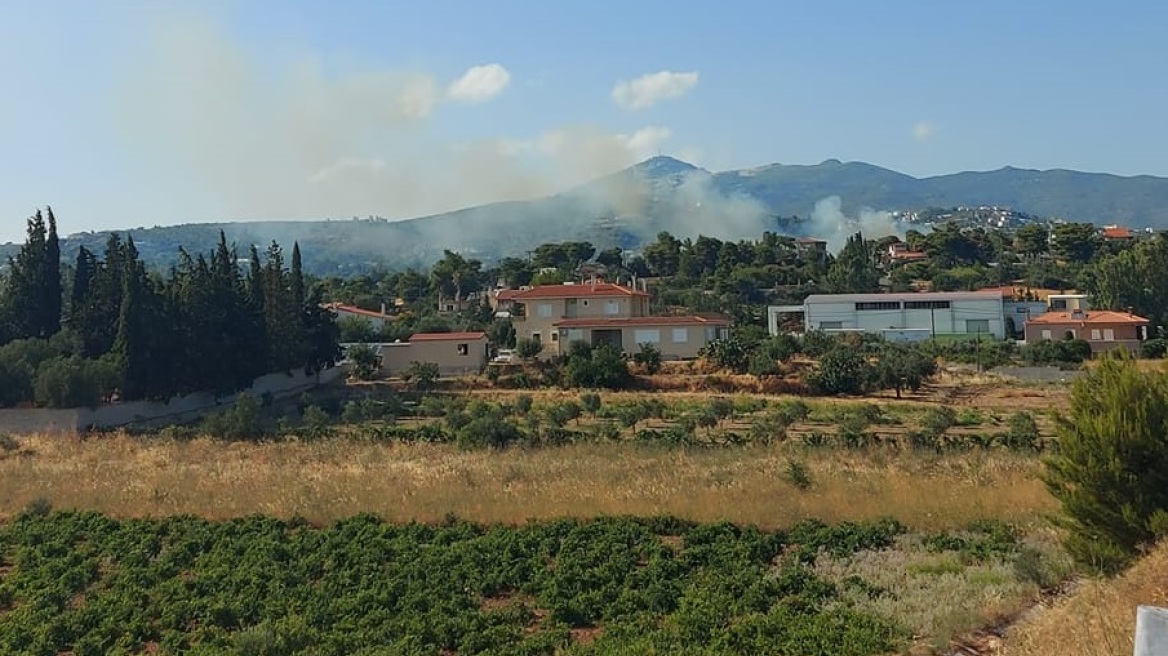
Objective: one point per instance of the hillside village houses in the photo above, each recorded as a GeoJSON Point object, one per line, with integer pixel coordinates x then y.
{"type": "Point", "coordinates": [597, 313]}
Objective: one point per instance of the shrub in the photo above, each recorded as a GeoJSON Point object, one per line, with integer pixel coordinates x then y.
{"type": "Point", "coordinates": [73, 382]}
{"type": "Point", "coordinates": [1110, 472]}
{"type": "Point", "coordinates": [1154, 348]}
{"type": "Point", "coordinates": [603, 367]}
{"type": "Point", "coordinates": [648, 358]}
{"type": "Point", "coordinates": [365, 361]}
{"type": "Point", "coordinates": [798, 475]}
{"type": "Point", "coordinates": [528, 348]}
{"type": "Point", "coordinates": [1022, 433]}
{"type": "Point", "coordinates": [729, 353]}
{"type": "Point", "coordinates": [841, 371]}
{"type": "Point", "coordinates": [590, 401]}
{"type": "Point", "coordinates": [523, 404]}
{"type": "Point", "coordinates": [489, 433]}
{"type": "Point", "coordinates": [423, 375]}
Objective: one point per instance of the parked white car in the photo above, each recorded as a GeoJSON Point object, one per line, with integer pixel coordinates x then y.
{"type": "Point", "coordinates": [505, 356]}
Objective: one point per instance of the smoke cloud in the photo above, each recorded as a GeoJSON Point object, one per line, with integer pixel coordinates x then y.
{"type": "Point", "coordinates": [829, 222]}
{"type": "Point", "coordinates": [304, 140]}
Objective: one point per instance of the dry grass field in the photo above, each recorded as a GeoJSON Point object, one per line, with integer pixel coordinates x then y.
{"type": "Point", "coordinates": [321, 481]}
{"type": "Point", "coordinates": [1098, 618]}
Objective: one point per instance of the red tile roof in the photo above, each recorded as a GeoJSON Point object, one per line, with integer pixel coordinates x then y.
{"type": "Point", "coordinates": [616, 322]}
{"type": "Point", "coordinates": [506, 294]}
{"type": "Point", "coordinates": [577, 291]}
{"type": "Point", "coordinates": [447, 337]}
{"type": "Point", "coordinates": [1117, 232]}
{"type": "Point", "coordinates": [1089, 317]}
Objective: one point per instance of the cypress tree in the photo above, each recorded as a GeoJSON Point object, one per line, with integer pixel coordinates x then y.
{"type": "Point", "coordinates": [84, 271]}
{"type": "Point", "coordinates": [51, 291]}
{"type": "Point", "coordinates": [25, 292]}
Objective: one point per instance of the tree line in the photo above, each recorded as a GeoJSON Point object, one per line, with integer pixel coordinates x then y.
{"type": "Point", "coordinates": [107, 327]}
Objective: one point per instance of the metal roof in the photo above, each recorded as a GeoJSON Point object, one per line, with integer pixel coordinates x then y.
{"type": "Point", "coordinates": [994, 295]}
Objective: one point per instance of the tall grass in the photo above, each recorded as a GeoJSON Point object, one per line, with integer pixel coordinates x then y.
{"type": "Point", "coordinates": [321, 481]}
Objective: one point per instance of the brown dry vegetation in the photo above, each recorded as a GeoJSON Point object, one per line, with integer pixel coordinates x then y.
{"type": "Point", "coordinates": [128, 476]}
{"type": "Point", "coordinates": [1098, 618]}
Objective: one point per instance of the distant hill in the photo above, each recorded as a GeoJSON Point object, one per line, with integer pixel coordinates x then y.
{"type": "Point", "coordinates": [631, 206]}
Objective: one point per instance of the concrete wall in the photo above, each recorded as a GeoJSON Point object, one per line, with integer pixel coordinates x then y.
{"type": "Point", "coordinates": [695, 337]}
{"type": "Point", "coordinates": [843, 315]}
{"type": "Point", "coordinates": [152, 414]}
{"type": "Point", "coordinates": [444, 353]}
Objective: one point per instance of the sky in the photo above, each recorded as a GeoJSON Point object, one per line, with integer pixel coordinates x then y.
{"type": "Point", "coordinates": [125, 113]}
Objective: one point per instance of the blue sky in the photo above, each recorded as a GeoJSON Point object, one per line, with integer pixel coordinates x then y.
{"type": "Point", "coordinates": [125, 114]}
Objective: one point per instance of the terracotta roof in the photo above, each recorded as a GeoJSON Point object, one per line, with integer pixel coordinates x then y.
{"type": "Point", "coordinates": [1090, 316]}
{"type": "Point", "coordinates": [614, 322]}
{"type": "Point", "coordinates": [352, 309]}
{"type": "Point", "coordinates": [1117, 232]}
{"type": "Point", "coordinates": [446, 337]}
{"type": "Point", "coordinates": [506, 294]}
{"type": "Point", "coordinates": [577, 291]}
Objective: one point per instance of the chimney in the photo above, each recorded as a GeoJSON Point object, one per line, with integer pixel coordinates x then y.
{"type": "Point", "coordinates": [1078, 313]}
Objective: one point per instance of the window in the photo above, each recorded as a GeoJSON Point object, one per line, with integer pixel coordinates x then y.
{"type": "Point", "coordinates": [545, 310]}
{"type": "Point", "coordinates": [878, 305]}
{"type": "Point", "coordinates": [926, 305]}
{"type": "Point", "coordinates": [612, 307]}
{"type": "Point", "coordinates": [1096, 335]}
{"type": "Point", "coordinates": [710, 334]}
{"type": "Point", "coordinates": [555, 335]}
{"type": "Point", "coordinates": [535, 337]}
{"type": "Point", "coordinates": [652, 336]}
{"type": "Point", "coordinates": [584, 302]}
{"type": "Point", "coordinates": [977, 325]}
{"type": "Point", "coordinates": [463, 349]}
{"type": "Point", "coordinates": [1058, 304]}
{"type": "Point", "coordinates": [680, 335]}
{"type": "Point", "coordinates": [575, 335]}
{"type": "Point", "coordinates": [831, 325]}
{"type": "Point", "coordinates": [1046, 334]}
{"type": "Point", "coordinates": [1108, 335]}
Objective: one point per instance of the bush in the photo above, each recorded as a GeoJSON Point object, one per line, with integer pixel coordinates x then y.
{"type": "Point", "coordinates": [1154, 348]}
{"type": "Point", "coordinates": [604, 367]}
{"type": "Point", "coordinates": [1022, 433]}
{"type": "Point", "coordinates": [423, 375]}
{"type": "Point", "coordinates": [648, 358]}
{"type": "Point", "coordinates": [365, 361]}
{"type": "Point", "coordinates": [74, 382]}
{"type": "Point", "coordinates": [841, 371]}
{"type": "Point", "coordinates": [488, 432]}
{"type": "Point", "coordinates": [1110, 472]}
{"type": "Point", "coordinates": [590, 401]}
{"type": "Point", "coordinates": [730, 353]}
{"type": "Point", "coordinates": [244, 420]}
{"type": "Point", "coordinates": [528, 348]}
{"type": "Point", "coordinates": [798, 475]}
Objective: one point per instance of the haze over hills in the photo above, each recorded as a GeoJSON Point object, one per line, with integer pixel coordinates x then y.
{"type": "Point", "coordinates": [631, 206]}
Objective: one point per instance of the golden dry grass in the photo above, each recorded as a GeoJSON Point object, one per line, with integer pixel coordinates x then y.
{"type": "Point", "coordinates": [1098, 618]}
{"type": "Point", "coordinates": [128, 476]}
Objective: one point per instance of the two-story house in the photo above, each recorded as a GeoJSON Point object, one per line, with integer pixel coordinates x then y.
{"type": "Point", "coordinates": [603, 313]}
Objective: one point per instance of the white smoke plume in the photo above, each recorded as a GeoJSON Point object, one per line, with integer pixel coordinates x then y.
{"type": "Point", "coordinates": [829, 222]}
{"type": "Point", "coordinates": [301, 141]}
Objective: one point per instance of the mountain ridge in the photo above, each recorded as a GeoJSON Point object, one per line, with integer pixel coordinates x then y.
{"type": "Point", "coordinates": [629, 207]}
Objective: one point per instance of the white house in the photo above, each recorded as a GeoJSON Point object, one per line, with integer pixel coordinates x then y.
{"type": "Point", "coordinates": [902, 317]}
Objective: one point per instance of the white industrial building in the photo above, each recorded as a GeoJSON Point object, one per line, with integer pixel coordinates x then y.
{"type": "Point", "coordinates": [901, 317]}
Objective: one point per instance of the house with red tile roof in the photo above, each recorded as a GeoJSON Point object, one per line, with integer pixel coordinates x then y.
{"type": "Point", "coordinates": [454, 353]}
{"type": "Point", "coordinates": [1117, 233]}
{"type": "Point", "coordinates": [600, 312]}
{"type": "Point", "coordinates": [375, 318]}
{"type": "Point", "coordinates": [1104, 330]}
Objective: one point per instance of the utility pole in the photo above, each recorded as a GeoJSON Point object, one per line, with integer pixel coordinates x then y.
{"type": "Point", "coordinates": [933, 320]}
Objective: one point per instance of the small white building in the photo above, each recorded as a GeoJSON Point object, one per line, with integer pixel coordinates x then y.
{"type": "Point", "coordinates": [903, 317]}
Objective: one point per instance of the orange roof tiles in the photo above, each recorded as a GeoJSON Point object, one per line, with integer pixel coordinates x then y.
{"type": "Point", "coordinates": [615, 322]}
{"type": "Point", "coordinates": [576, 291]}
{"type": "Point", "coordinates": [1090, 316]}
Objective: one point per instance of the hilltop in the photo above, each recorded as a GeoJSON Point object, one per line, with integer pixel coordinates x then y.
{"type": "Point", "coordinates": [631, 206]}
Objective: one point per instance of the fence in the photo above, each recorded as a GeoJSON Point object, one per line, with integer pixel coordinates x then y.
{"type": "Point", "coordinates": [151, 414]}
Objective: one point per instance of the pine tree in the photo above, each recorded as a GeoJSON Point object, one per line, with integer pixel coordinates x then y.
{"type": "Point", "coordinates": [854, 269]}
{"type": "Point", "coordinates": [1111, 470]}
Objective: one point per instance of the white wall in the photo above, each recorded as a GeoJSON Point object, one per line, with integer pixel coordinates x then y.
{"type": "Point", "coordinates": [149, 414]}
{"type": "Point", "coordinates": [944, 321]}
